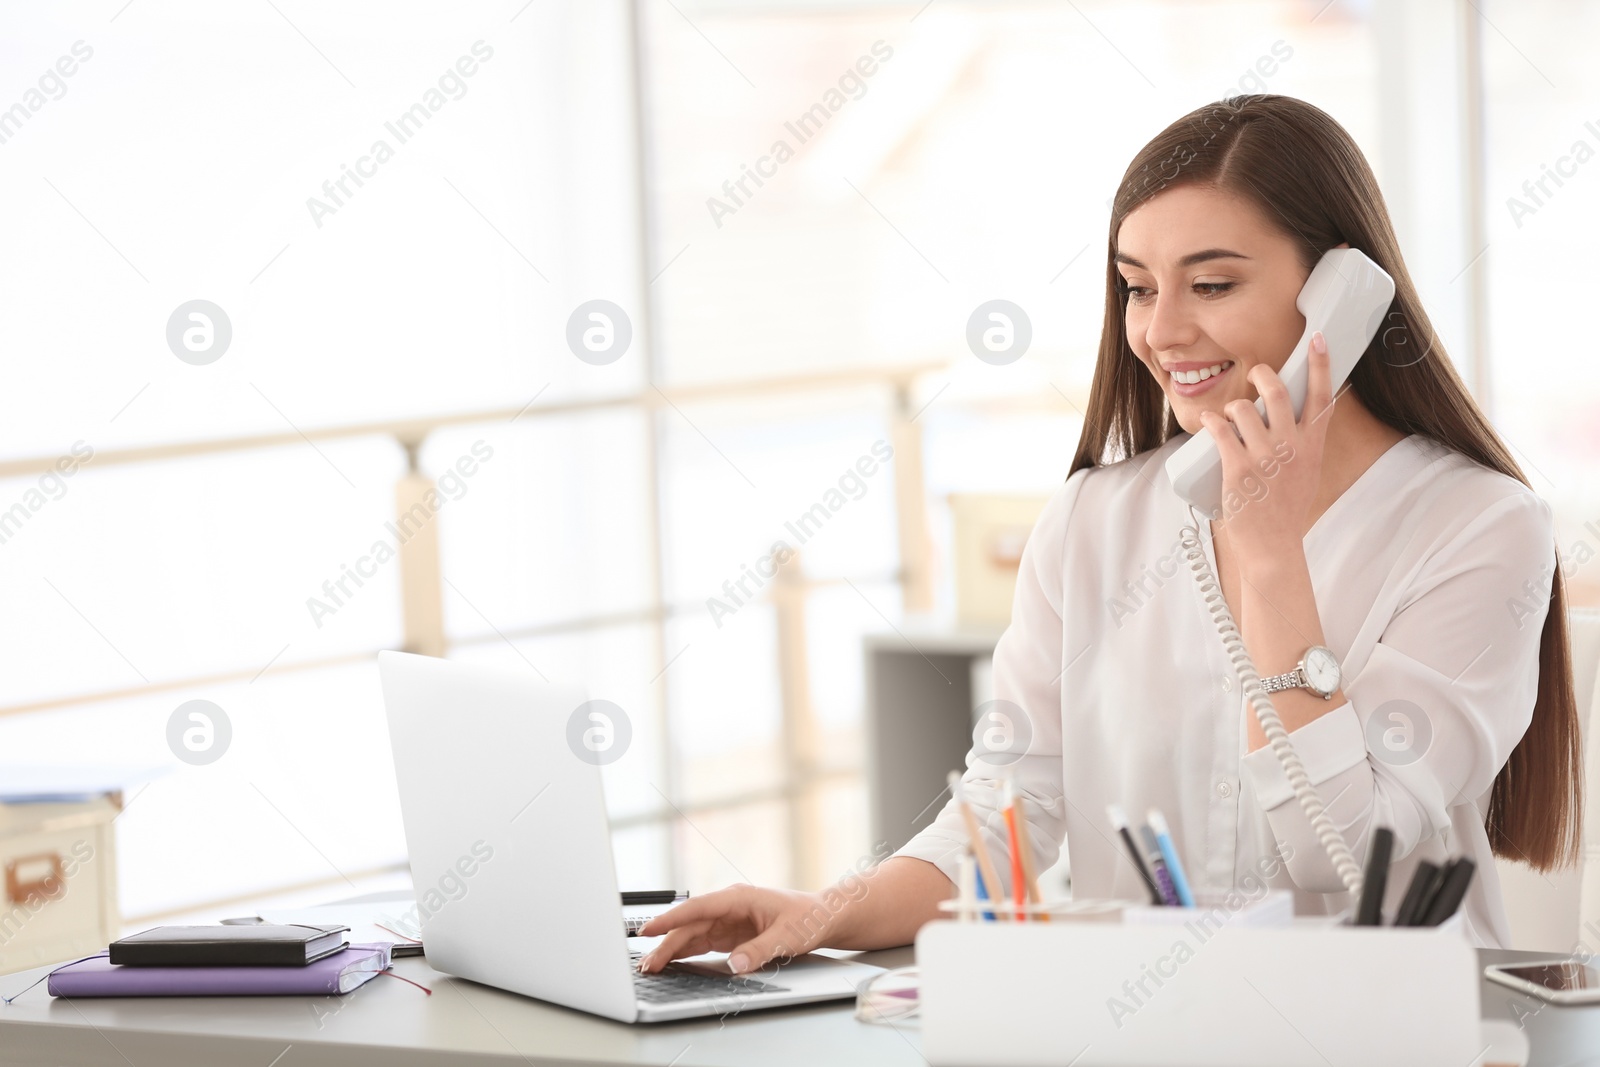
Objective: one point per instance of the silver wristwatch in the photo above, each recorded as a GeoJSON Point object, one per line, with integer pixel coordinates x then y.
{"type": "Point", "coordinates": [1318, 671]}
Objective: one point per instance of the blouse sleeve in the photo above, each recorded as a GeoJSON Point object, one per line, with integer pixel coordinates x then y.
{"type": "Point", "coordinates": [1020, 734]}
{"type": "Point", "coordinates": [1432, 716]}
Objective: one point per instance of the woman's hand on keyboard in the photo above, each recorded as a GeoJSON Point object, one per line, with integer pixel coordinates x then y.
{"type": "Point", "coordinates": [875, 905]}
{"type": "Point", "coordinates": [752, 924]}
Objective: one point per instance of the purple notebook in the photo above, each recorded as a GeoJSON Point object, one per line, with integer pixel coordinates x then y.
{"type": "Point", "coordinates": [338, 973]}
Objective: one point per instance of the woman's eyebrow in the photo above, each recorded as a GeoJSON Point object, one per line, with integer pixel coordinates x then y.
{"type": "Point", "coordinates": [1187, 261]}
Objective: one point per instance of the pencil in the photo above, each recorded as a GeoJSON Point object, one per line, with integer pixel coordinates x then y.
{"type": "Point", "coordinates": [1019, 889]}
{"type": "Point", "coordinates": [990, 876]}
{"type": "Point", "coordinates": [1029, 869]}
{"type": "Point", "coordinates": [1026, 847]}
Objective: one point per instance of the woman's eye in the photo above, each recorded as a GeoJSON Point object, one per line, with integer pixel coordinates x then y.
{"type": "Point", "coordinates": [1138, 294]}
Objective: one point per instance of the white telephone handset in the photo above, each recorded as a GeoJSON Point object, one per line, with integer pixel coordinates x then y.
{"type": "Point", "coordinates": [1346, 297]}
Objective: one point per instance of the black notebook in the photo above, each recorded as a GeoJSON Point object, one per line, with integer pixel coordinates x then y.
{"type": "Point", "coordinates": [228, 946]}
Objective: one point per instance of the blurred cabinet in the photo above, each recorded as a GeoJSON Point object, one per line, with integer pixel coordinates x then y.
{"type": "Point", "coordinates": [925, 681]}
{"type": "Point", "coordinates": [988, 535]}
{"type": "Point", "coordinates": [922, 688]}
{"type": "Point", "coordinates": [59, 899]}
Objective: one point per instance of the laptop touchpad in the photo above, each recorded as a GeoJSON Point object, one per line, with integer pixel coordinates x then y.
{"type": "Point", "coordinates": [802, 967]}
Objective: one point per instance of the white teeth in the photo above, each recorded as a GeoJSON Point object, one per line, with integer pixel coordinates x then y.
{"type": "Point", "coordinates": [1195, 377]}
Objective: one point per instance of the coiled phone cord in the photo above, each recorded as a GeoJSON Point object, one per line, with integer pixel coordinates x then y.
{"type": "Point", "coordinates": [1333, 841]}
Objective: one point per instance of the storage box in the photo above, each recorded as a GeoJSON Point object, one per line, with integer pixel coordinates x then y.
{"type": "Point", "coordinates": [58, 900]}
{"type": "Point", "coordinates": [990, 532]}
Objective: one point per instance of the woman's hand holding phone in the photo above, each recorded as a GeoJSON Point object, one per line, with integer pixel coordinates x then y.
{"type": "Point", "coordinates": [1274, 464]}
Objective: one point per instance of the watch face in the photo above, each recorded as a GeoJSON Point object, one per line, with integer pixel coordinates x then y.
{"type": "Point", "coordinates": [1322, 669]}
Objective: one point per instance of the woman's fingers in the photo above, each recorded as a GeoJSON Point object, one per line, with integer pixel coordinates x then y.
{"type": "Point", "coordinates": [692, 910]}
{"type": "Point", "coordinates": [755, 926]}
{"type": "Point", "coordinates": [690, 940]}
{"type": "Point", "coordinates": [1244, 416]}
{"type": "Point", "coordinates": [1275, 395]}
{"type": "Point", "coordinates": [720, 904]}
{"type": "Point", "coordinates": [1319, 390]}
{"type": "Point", "coordinates": [1229, 447]}
{"type": "Point", "coordinates": [771, 944]}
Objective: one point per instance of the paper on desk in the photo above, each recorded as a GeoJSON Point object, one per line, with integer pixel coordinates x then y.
{"type": "Point", "coordinates": [405, 922]}
{"type": "Point", "coordinates": [391, 921]}
{"type": "Point", "coordinates": [397, 921]}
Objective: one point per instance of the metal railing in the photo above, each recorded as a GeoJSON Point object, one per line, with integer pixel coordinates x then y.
{"type": "Point", "coordinates": [422, 578]}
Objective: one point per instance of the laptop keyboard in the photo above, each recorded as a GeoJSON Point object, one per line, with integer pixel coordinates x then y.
{"type": "Point", "coordinates": [674, 984]}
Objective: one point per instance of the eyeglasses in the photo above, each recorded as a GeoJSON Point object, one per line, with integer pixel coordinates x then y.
{"type": "Point", "coordinates": [889, 997]}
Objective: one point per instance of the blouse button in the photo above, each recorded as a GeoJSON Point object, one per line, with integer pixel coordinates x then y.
{"type": "Point", "coordinates": [1227, 684]}
{"type": "Point", "coordinates": [1224, 790]}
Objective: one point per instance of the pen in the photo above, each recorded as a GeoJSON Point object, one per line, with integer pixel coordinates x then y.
{"type": "Point", "coordinates": [1169, 853]}
{"type": "Point", "coordinates": [654, 896]}
{"type": "Point", "coordinates": [1435, 884]}
{"type": "Point", "coordinates": [1158, 867]}
{"type": "Point", "coordinates": [1374, 878]}
{"type": "Point", "coordinates": [967, 886]}
{"type": "Point", "coordinates": [1417, 893]}
{"type": "Point", "coordinates": [987, 915]}
{"type": "Point", "coordinates": [989, 878]}
{"type": "Point", "coordinates": [1454, 887]}
{"type": "Point", "coordinates": [1119, 823]}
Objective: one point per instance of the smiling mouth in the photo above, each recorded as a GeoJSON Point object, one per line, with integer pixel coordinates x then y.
{"type": "Point", "coordinates": [1195, 377]}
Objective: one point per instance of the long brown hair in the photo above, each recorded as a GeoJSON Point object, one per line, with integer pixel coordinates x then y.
{"type": "Point", "coordinates": [1302, 169]}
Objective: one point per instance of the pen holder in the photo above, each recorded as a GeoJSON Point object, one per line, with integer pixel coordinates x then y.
{"type": "Point", "coordinates": [1310, 992]}
{"type": "Point", "coordinates": [1066, 910]}
{"type": "Point", "coordinates": [1216, 908]}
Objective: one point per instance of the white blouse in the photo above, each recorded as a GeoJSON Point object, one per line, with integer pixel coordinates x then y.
{"type": "Point", "coordinates": [1432, 577]}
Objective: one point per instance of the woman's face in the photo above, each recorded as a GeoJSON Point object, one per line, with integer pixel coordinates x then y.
{"type": "Point", "coordinates": [1212, 290]}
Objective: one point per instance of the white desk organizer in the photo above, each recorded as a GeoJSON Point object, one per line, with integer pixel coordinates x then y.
{"type": "Point", "coordinates": [1007, 994]}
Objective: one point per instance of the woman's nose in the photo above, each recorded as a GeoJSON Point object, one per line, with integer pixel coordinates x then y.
{"type": "Point", "coordinates": [1170, 324]}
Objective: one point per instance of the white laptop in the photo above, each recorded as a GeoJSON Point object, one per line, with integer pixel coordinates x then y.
{"type": "Point", "coordinates": [511, 855]}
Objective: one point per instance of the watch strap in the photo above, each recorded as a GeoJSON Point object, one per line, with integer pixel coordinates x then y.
{"type": "Point", "coordinates": [1294, 679]}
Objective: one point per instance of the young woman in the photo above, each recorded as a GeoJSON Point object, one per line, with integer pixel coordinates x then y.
{"type": "Point", "coordinates": [1389, 524]}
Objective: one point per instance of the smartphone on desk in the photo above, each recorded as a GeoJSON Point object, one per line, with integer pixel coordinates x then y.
{"type": "Point", "coordinates": [1345, 297]}
{"type": "Point", "coordinates": [1562, 981]}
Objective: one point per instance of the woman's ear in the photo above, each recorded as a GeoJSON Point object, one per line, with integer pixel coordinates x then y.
{"type": "Point", "coordinates": [1342, 244]}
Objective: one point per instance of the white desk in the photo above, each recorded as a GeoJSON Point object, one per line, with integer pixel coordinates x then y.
{"type": "Point", "coordinates": [392, 1024]}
